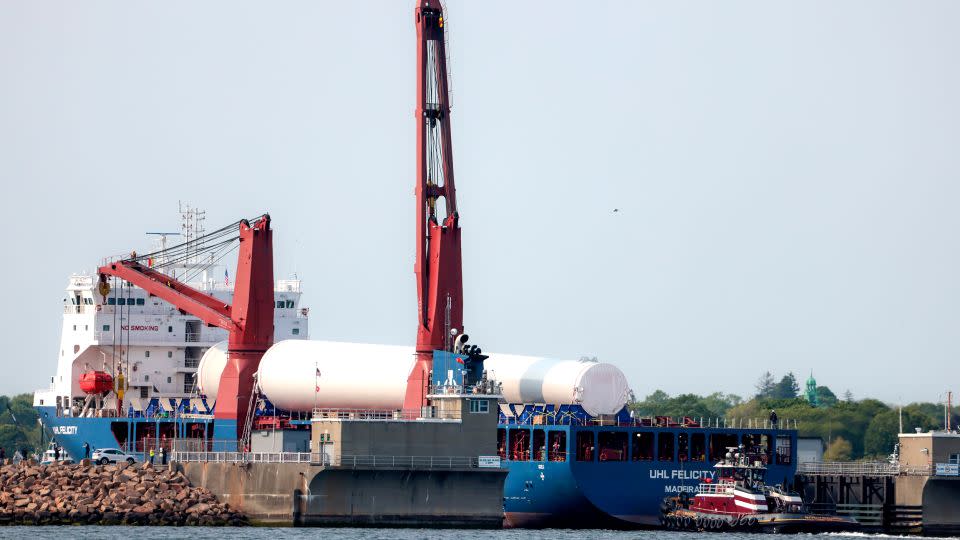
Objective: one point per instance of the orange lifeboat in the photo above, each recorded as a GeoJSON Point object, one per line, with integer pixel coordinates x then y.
{"type": "Point", "coordinates": [96, 382]}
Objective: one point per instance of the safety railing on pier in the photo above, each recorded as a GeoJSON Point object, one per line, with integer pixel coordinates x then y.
{"type": "Point", "coordinates": [346, 461]}
{"type": "Point", "coordinates": [862, 468]}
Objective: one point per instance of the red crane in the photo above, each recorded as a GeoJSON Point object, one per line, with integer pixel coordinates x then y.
{"type": "Point", "coordinates": [249, 320]}
{"type": "Point", "coordinates": [438, 266]}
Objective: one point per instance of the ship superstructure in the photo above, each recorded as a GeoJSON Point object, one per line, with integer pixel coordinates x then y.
{"type": "Point", "coordinates": [144, 350]}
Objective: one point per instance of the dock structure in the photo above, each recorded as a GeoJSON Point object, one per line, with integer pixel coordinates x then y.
{"type": "Point", "coordinates": [435, 468]}
{"type": "Point", "coordinates": [917, 493]}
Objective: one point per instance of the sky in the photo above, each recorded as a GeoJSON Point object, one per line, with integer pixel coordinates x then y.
{"type": "Point", "coordinates": [784, 174]}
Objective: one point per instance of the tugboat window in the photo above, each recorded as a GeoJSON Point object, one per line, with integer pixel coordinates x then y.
{"type": "Point", "coordinates": [643, 446]}
{"type": "Point", "coordinates": [665, 447]}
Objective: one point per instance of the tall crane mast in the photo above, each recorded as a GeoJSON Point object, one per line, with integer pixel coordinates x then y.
{"type": "Point", "coordinates": [438, 266]}
{"type": "Point", "coordinates": [249, 320]}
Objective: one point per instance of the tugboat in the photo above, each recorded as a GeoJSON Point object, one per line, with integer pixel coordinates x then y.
{"type": "Point", "coordinates": [740, 500]}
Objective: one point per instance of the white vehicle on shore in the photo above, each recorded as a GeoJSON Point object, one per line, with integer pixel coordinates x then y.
{"type": "Point", "coordinates": [112, 455]}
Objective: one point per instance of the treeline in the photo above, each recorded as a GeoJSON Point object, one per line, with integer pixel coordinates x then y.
{"type": "Point", "coordinates": [19, 429]}
{"type": "Point", "coordinates": [852, 429]}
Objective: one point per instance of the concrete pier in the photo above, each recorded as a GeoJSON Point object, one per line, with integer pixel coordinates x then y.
{"type": "Point", "coordinates": [438, 468]}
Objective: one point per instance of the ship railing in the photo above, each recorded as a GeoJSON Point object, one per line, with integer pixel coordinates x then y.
{"type": "Point", "coordinates": [715, 489]}
{"type": "Point", "coordinates": [858, 468]}
{"type": "Point", "coordinates": [483, 388]}
{"type": "Point", "coordinates": [567, 418]}
{"type": "Point", "coordinates": [425, 413]}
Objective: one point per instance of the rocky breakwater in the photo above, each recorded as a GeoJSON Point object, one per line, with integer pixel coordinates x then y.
{"type": "Point", "coordinates": [106, 494]}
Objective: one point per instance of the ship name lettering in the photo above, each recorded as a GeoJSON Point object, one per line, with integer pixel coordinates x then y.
{"type": "Point", "coordinates": [678, 474]}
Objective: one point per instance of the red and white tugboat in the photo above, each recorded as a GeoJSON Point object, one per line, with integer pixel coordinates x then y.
{"type": "Point", "coordinates": [740, 500]}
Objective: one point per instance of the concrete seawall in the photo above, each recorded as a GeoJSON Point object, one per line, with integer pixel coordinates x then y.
{"type": "Point", "coordinates": [305, 494]}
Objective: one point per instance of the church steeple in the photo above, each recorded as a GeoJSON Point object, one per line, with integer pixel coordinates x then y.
{"type": "Point", "coordinates": [812, 390]}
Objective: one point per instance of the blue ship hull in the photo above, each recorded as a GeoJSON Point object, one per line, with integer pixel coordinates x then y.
{"type": "Point", "coordinates": [574, 491]}
{"type": "Point", "coordinates": [623, 491]}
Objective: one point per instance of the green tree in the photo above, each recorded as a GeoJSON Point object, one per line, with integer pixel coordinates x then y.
{"type": "Point", "coordinates": [838, 450]}
{"type": "Point", "coordinates": [765, 385]}
{"type": "Point", "coordinates": [825, 397]}
{"type": "Point", "coordinates": [882, 432]}
{"type": "Point", "coordinates": [787, 388]}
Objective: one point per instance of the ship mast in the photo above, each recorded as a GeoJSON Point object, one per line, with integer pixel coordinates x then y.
{"type": "Point", "coordinates": [438, 266]}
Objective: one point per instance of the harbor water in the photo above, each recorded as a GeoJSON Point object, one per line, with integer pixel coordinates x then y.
{"type": "Point", "coordinates": [274, 533]}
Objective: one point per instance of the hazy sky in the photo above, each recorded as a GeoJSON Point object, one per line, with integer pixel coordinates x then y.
{"type": "Point", "coordinates": [786, 174]}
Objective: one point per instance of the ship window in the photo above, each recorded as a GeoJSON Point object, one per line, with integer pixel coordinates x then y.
{"type": "Point", "coordinates": [296, 331]}
{"type": "Point", "coordinates": [665, 447]}
{"type": "Point", "coordinates": [719, 442]}
{"type": "Point", "coordinates": [502, 443]}
{"type": "Point", "coordinates": [106, 328]}
{"type": "Point", "coordinates": [146, 354]}
{"type": "Point", "coordinates": [111, 301]}
{"type": "Point", "coordinates": [784, 450]}
{"type": "Point", "coordinates": [279, 304]}
{"type": "Point", "coordinates": [140, 301]}
{"type": "Point", "coordinates": [613, 446]}
{"type": "Point", "coordinates": [478, 405]}
{"type": "Point", "coordinates": [539, 444]}
{"type": "Point", "coordinates": [683, 446]}
{"type": "Point", "coordinates": [758, 444]}
{"type": "Point", "coordinates": [955, 459]}
{"type": "Point", "coordinates": [74, 328]}
{"type": "Point", "coordinates": [558, 446]}
{"type": "Point", "coordinates": [169, 329]}
{"type": "Point", "coordinates": [642, 446]}
{"type": "Point", "coordinates": [146, 378]}
{"type": "Point", "coordinates": [520, 444]}
{"type": "Point", "coordinates": [121, 301]}
{"type": "Point", "coordinates": [169, 380]}
{"type": "Point", "coordinates": [76, 349]}
{"type": "Point", "coordinates": [144, 392]}
{"type": "Point", "coordinates": [585, 447]}
{"type": "Point", "coordinates": [88, 301]}
{"type": "Point", "coordinates": [289, 303]}
{"type": "Point", "coordinates": [169, 354]}
{"type": "Point", "coordinates": [698, 447]}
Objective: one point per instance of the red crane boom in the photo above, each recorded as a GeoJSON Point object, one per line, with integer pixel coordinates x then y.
{"type": "Point", "coordinates": [438, 265]}
{"type": "Point", "coordinates": [249, 320]}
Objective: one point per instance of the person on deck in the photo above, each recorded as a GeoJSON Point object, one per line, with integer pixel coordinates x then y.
{"type": "Point", "coordinates": [163, 456]}
{"type": "Point", "coordinates": [151, 456]}
{"type": "Point", "coordinates": [86, 450]}
{"type": "Point", "coordinates": [773, 419]}
{"type": "Point", "coordinates": [56, 452]}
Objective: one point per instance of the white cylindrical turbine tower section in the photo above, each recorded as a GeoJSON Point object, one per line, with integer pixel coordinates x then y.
{"type": "Point", "coordinates": [351, 375]}
{"type": "Point", "coordinates": [598, 387]}
{"type": "Point", "coordinates": [210, 368]}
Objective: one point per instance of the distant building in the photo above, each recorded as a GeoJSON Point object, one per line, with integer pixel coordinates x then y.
{"type": "Point", "coordinates": [812, 390]}
{"type": "Point", "coordinates": [809, 449]}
